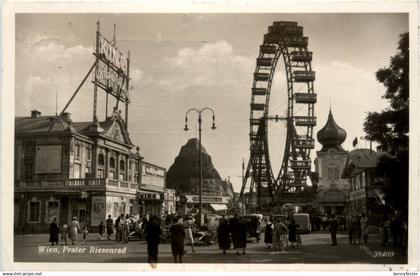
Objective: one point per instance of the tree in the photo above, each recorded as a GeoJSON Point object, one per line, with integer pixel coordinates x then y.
{"type": "Point", "coordinates": [390, 128]}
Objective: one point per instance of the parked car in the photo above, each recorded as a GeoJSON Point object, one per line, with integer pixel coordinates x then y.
{"type": "Point", "coordinates": [253, 222]}
{"type": "Point", "coordinates": [302, 219]}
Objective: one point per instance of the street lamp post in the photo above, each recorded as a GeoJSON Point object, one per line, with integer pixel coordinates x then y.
{"type": "Point", "coordinates": [200, 170]}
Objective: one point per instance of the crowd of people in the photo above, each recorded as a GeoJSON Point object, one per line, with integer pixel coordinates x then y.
{"type": "Point", "coordinates": [357, 227]}
{"type": "Point", "coordinates": [279, 235]}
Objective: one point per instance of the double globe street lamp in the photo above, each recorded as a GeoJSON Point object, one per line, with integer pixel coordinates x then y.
{"type": "Point", "coordinates": [200, 171]}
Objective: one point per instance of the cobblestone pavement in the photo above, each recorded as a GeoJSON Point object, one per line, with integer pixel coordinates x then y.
{"type": "Point", "coordinates": [316, 248]}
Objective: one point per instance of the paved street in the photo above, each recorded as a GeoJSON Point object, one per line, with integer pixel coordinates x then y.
{"type": "Point", "coordinates": [316, 249]}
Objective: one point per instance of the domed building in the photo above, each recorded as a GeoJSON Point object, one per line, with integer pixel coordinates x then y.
{"type": "Point", "coordinates": [332, 192]}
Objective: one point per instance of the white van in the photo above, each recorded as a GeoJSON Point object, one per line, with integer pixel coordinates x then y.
{"type": "Point", "coordinates": [302, 219]}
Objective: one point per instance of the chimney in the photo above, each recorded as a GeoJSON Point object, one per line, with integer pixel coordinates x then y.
{"type": "Point", "coordinates": [66, 116]}
{"type": "Point", "coordinates": [35, 114]}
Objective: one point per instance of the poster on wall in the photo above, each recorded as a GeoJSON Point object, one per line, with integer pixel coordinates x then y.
{"type": "Point", "coordinates": [109, 207]}
{"type": "Point", "coordinates": [98, 210]}
{"type": "Point", "coordinates": [48, 159]}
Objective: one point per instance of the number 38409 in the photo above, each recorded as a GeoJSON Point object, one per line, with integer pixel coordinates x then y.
{"type": "Point", "coordinates": [383, 254]}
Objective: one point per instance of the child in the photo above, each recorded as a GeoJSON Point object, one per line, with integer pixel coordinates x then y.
{"type": "Point", "coordinates": [64, 233]}
{"type": "Point", "coordinates": [85, 234]}
{"type": "Point", "coordinates": [101, 230]}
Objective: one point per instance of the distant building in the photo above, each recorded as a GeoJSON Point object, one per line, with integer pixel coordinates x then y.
{"type": "Point", "coordinates": [332, 190]}
{"type": "Point", "coordinates": [153, 195]}
{"type": "Point", "coordinates": [366, 184]}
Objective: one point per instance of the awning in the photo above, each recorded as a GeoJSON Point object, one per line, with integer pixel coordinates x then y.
{"type": "Point", "coordinates": [218, 207]}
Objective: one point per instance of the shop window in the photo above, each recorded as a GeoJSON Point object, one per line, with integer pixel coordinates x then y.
{"type": "Point", "coordinates": [101, 160]}
{"type": "Point", "coordinates": [81, 214]}
{"type": "Point", "coordinates": [34, 211]}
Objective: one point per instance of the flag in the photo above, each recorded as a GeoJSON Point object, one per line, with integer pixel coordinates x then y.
{"type": "Point", "coordinates": [355, 142]}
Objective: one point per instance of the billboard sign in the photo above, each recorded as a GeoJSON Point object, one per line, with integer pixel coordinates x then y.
{"type": "Point", "coordinates": [111, 72]}
{"type": "Point", "coordinates": [48, 159]}
{"type": "Point", "coordinates": [112, 54]}
{"type": "Point", "coordinates": [98, 210]}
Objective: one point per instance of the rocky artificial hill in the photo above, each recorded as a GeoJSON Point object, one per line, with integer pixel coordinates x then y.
{"type": "Point", "coordinates": [183, 175]}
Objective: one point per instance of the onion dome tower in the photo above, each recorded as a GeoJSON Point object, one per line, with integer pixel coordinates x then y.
{"type": "Point", "coordinates": [331, 136]}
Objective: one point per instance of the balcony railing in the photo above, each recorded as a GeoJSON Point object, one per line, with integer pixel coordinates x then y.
{"type": "Point", "coordinates": [76, 185]}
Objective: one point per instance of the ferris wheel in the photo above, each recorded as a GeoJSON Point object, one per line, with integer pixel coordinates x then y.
{"type": "Point", "coordinates": [281, 115]}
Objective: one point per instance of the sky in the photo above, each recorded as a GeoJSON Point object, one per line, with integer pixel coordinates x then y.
{"type": "Point", "coordinates": [181, 61]}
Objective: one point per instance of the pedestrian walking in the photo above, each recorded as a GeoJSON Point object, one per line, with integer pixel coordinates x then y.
{"type": "Point", "coordinates": [144, 224]}
{"type": "Point", "coordinates": [177, 240]}
{"type": "Point", "coordinates": [152, 235]}
{"type": "Point", "coordinates": [349, 228]}
{"type": "Point", "coordinates": [394, 227]}
{"type": "Point", "coordinates": [126, 228]}
{"type": "Point", "coordinates": [101, 231]}
{"type": "Point", "coordinates": [318, 223]}
{"type": "Point", "coordinates": [54, 231]}
{"type": "Point", "coordinates": [364, 228]}
{"type": "Point", "coordinates": [74, 230]}
{"type": "Point", "coordinates": [276, 235]}
{"type": "Point", "coordinates": [64, 234]}
{"type": "Point", "coordinates": [268, 235]}
{"type": "Point", "coordinates": [84, 234]}
{"type": "Point", "coordinates": [333, 230]}
{"type": "Point", "coordinates": [223, 235]}
{"type": "Point", "coordinates": [355, 229]}
{"type": "Point", "coordinates": [109, 227]}
{"type": "Point", "coordinates": [240, 241]}
{"type": "Point", "coordinates": [342, 224]}
{"type": "Point", "coordinates": [292, 233]}
{"type": "Point", "coordinates": [189, 239]}
{"type": "Point", "coordinates": [385, 230]}
{"type": "Point", "coordinates": [324, 222]}
{"type": "Point", "coordinates": [118, 228]}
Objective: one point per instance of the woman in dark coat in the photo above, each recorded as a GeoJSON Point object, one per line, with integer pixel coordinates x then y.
{"type": "Point", "coordinates": [54, 231]}
{"type": "Point", "coordinates": [292, 233]}
{"type": "Point", "coordinates": [239, 231]}
{"type": "Point", "coordinates": [223, 235]}
{"type": "Point", "coordinates": [268, 235]}
{"type": "Point", "coordinates": [177, 240]}
{"type": "Point", "coordinates": [153, 232]}
{"type": "Point", "coordinates": [109, 227]}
